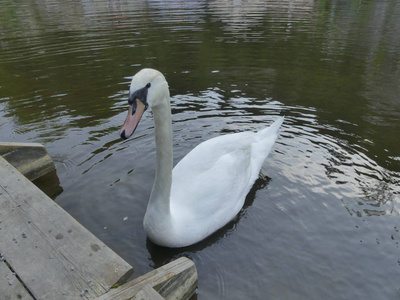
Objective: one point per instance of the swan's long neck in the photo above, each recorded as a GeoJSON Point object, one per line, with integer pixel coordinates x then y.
{"type": "Point", "coordinates": [160, 194]}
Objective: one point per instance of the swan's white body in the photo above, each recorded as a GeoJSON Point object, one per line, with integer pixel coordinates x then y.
{"type": "Point", "coordinates": [208, 187]}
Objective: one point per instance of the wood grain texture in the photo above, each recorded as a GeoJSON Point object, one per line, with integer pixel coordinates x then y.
{"type": "Point", "coordinates": [176, 280]}
{"type": "Point", "coordinates": [147, 293]}
{"type": "Point", "coordinates": [51, 252]}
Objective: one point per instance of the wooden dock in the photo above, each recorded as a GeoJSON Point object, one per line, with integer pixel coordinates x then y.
{"type": "Point", "coordinates": [46, 254]}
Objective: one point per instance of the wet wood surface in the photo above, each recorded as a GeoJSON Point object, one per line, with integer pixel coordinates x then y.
{"type": "Point", "coordinates": [31, 159]}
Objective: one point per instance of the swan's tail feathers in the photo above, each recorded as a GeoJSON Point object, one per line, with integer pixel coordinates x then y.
{"type": "Point", "coordinates": [265, 140]}
{"type": "Point", "coordinates": [271, 130]}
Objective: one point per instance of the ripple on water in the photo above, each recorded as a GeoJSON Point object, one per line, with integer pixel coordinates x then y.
{"type": "Point", "coordinates": [320, 217]}
{"type": "Point", "coordinates": [327, 163]}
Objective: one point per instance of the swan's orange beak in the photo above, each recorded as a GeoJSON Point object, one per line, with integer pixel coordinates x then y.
{"type": "Point", "coordinates": [132, 120]}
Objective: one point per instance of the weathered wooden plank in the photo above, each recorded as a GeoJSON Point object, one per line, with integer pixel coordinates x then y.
{"type": "Point", "coordinates": [10, 287]}
{"type": "Point", "coordinates": [147, 293]}
{"type": "Point", "coordinates": [31, 159]}
{"type": "Point", "coordinates": [176, 280]}
{"type": "Point", "coordinates": [50, 251]}
{"type": "Point", "coordinates": [183, 284]}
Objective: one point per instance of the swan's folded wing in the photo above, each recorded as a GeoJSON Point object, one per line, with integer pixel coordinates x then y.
{"type": "Point", "coordinates": [212, 181]}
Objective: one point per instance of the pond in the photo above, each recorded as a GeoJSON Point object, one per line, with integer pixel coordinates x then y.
{"type": "Point", "coordinates": [321, 222]}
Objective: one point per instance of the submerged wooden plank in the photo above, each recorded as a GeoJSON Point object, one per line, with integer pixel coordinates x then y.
{"type": "Point", "coordinates": [50, 251]}
{"type": "Point", "coordinates": [31, 159]}
{"type": "Point", "coordinates": [10, 287]}
{"type": "Point", "coordinates": [176, 280]}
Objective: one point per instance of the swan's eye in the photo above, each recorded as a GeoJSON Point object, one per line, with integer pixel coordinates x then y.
{"type": "Point", "coordinates": [148, 85]}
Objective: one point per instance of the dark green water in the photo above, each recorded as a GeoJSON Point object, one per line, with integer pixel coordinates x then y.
{"type": "Point", "coordinates": [323, 221]}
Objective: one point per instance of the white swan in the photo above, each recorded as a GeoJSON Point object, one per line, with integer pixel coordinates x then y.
{"type": "Point", "coordinates": [208, 187]}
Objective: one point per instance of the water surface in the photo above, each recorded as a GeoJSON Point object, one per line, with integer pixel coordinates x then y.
{"type": "Point", "coordinates": [322, 221]}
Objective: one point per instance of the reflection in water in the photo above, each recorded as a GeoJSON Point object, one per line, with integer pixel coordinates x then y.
{"type": "Point", "coordinates": [358, 181]}
{"type": "Point", "coordinates": [327, 213]}
{"type": "Point", "coordinates": [49, 184]}
{"type": "Point", "coordinates": [244, 19]}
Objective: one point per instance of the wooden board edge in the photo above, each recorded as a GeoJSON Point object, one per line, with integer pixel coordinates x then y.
{"type": "Point", "coordinates": [30, 159]}
{"type": "Point", "coordinates": [175, 280]}
{"type": "Point", "coordinates": [10, 285]}
{"type": "Point", "coordinates": [147, 293]}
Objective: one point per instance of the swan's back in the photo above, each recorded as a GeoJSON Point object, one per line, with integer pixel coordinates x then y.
{"type": "Point", "coordinates": [210, 184]}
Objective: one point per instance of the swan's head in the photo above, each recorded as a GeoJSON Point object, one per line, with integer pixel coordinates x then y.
{"type": "Point", "coordinates": [148, 89]}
